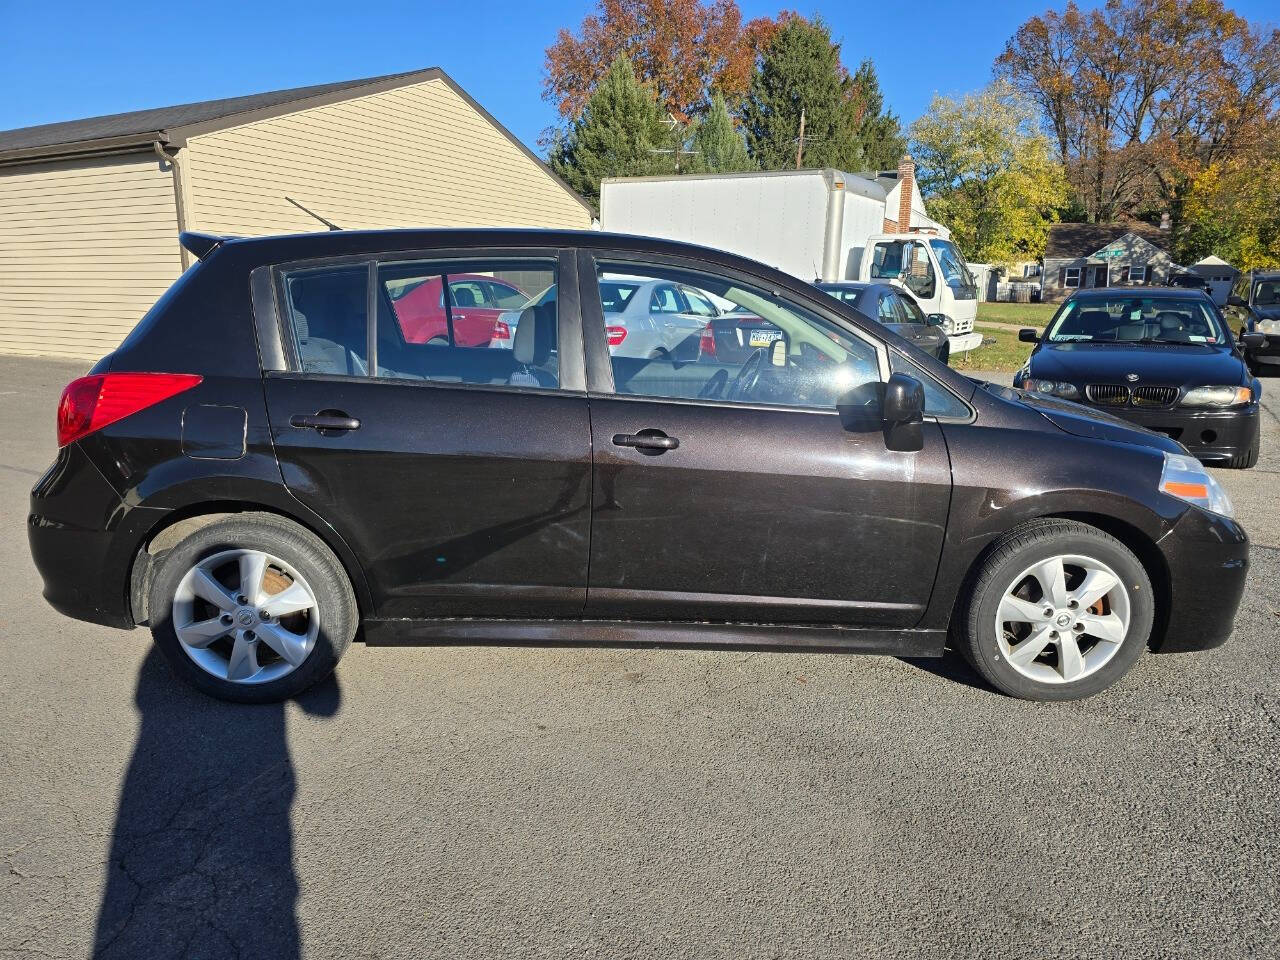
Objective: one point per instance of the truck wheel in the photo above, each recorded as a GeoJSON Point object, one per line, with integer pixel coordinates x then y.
{"type": "Point", "coordinates": [253, 609]}
{"type": "Point", "coordinates": [1059, 611]}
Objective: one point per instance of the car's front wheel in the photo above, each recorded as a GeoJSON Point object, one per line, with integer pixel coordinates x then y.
{"type": "Point", "coordinates": [252, 608]}
{"type": "Point", "coordinates": [1059, 610]}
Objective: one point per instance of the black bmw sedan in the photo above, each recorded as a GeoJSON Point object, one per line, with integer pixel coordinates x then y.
{"type": "Point", "coordinates": [1163, 359]}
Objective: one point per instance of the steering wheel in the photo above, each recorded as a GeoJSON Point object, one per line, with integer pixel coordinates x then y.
{"type": "Point", "coordinates": [748, 378]}
{"type": "Point", "coordinates": [715, 386]}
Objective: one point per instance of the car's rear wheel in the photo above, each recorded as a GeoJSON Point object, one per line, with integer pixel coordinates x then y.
{"type": "Point", "coordinates": [1059, 610]}
{"type": "Point", "coordinates": [252, 608]}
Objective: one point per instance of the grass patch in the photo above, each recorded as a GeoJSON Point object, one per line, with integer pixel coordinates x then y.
{"type": "Point", "coordinates": [1001, 350]}
{"type": "Point", "coordinates": [1022, 314]}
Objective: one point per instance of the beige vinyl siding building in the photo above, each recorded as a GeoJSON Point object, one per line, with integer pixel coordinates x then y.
{"type": "Point", "coordinates": [90, 212]}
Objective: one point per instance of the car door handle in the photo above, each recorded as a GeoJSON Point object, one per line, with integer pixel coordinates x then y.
{"type": "Point", "coordinates": [646, 440]}
{"type": "Point", "coordinates": [324, 421]}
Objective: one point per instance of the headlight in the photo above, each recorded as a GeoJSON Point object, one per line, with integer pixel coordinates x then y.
{"type": "Point", "coordinates": [1054, 388]}
{"type": "Point", "coordinates": [1185, 478]}
{"type": "Point", "coordinates": [1217, 397]}
{"type": "Point", "coordinates": [1268, 326]}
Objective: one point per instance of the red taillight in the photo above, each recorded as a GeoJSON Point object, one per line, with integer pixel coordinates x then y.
{"type": "Point", "coordinates": [707, 342]}
{"type": "Point", "coordinates": [91, 403]}
{"type": "Point", "coordinates": [616, 335]}
{"type": "Point", "coordinates": [501, 331]}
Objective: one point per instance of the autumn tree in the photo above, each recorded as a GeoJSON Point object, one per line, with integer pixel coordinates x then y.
{"type": "Point", "coordinates": [989, 173]}
{"type": "Point", "coordinates": [716, 145]}
{"type": "Point", "coordinates": [800, 71]}
{"type": "Point", "coordinates": [619, 133]}
{"type": "Point", "coordinates": [683, 49]}
{"type": "Point", "coordinates": [1232, 208]}
{"type": "Point", "coordinates": [1140, 96]}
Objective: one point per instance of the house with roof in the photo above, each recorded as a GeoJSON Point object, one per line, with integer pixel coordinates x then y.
{"type": "Point", "coordinates": [893, 182]}
{"type": "Point", "coordinates": [1088, 255]}
{"type": "Point", "coordinates": [90, 210]}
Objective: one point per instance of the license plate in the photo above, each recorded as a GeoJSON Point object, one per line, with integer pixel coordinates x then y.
{"type": "Point", "coordinates": [762, 338]}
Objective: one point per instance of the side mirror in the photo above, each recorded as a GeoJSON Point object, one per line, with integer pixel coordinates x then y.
{"type": "Point", "coordinates": [1235, 300]}
{"type": "Point", "coordinates": [903, 413]}
{"type": "Point", "coordinates": [1253, 340]}
{"type": "Point", "coordinates": [936, 319]}
{"type": "Point", "coordinates": [1028, 335]}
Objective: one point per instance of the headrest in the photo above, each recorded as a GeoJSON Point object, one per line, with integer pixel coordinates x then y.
{"type": "Point", "coordinates": [535, 335]}
{"type": "Point", "coordinates": [1171, 320]}
{"type": "Point", "coordinates": [463, 296]}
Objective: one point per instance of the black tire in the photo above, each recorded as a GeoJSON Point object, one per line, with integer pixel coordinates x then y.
{"type": "Point", "coordinates": [1244, 461]}
{"type": "Point", "coordinates": [945, 354]}
{"type": "Point", "coordinates": [973, 630]}
{"type": "Point", "coordinates": [293, 544]}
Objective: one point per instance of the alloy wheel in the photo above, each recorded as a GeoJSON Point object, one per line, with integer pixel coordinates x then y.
{"type": "Point", "coordinates": [1062, 619]}
{"type": "Point", "coordinates": [245, 616]}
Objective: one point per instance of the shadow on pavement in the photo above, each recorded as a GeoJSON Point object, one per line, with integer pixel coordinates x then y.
{"type": "Point", "coordinates": [950, 666]}
{"type": "Point", "coordinates": [201, 860]}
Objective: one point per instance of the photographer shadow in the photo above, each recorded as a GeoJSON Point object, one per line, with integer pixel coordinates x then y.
{"type": "Point", "coordinates": [201, 860]}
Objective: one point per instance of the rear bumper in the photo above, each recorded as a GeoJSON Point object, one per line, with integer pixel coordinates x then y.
{"type": "Point", "coordinates": [83, 539]}
{"type": "Point", "coordinates": [1207, 557]}
{"type": "Point", "coordinates": [1214, 436]}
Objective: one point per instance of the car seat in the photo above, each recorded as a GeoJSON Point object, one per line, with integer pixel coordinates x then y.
{"type": "Point", "coordinates": [462, 296]}
{"type": "Point", "coordinates": [534, 342]}
{"type": "Point", "coordinates": [329, 318]}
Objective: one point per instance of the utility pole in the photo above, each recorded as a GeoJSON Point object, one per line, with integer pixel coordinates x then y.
{"type": "Point", "coordinates": [800, 142]}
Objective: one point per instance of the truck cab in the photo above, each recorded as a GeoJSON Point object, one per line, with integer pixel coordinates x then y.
{"type": "Point", "coordinates": [934, 272]}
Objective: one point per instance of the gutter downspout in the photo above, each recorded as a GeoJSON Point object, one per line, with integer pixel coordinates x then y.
{"type": "Point", "coordinates": [179, 194]}
{"type": "Point", "coordinates": [835, 226]}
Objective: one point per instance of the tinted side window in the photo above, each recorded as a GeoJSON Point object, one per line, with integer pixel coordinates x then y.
{"type": "Point", "coordinates": [453, 322]}
{"type": "Point", "coordinates": [482, 322]}
{"type": "Point", "coordinates": [887, 313]}
{"type": "Point", "coordinates": [326, 309]}
{"type": "Point", "coordinates": [761, 349]}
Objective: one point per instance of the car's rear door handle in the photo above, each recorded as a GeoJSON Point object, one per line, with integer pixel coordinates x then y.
{"type": "Point", "coordinates": [324, 421]}
{"type": "Point", "coordinates": [646, 440]}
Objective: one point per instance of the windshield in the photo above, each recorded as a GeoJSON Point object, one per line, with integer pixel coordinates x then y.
{"type": "Point", "coordinates": [1266, 293]}
{"type": "Point", "coordinates": [1136, 320]}
{"type": "Point", "coordinates": [954, 269]}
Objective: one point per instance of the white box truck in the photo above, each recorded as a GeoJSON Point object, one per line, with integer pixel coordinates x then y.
{"type": "Point", "coordinates": [820, 225]}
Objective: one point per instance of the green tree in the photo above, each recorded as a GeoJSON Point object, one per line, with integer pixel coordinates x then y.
{"type": "Point", "coordinates": [1231, 210]}
{"type": "Point", "coordinates": [619, 133]}
{"type": "Point", "coordinates": [801, 71]}
{"type": "Point", "coordinates": [989, 174]}
{"type": "Point", "coordinates": [878, 133]}
{"type": "Point", "coordinates": [717, 145]}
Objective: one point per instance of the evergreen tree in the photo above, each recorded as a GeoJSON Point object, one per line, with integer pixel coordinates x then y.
{"type": "Point", "coordinates": [618, 134]}
{"type": "Point", "coordinates": [878, 133]}
{"type": "Point", "coordinates": [718, 146]}
{"type": "Point", "coordinates": [801, 70]}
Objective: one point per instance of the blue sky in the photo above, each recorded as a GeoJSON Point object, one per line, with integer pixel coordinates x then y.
{"type": "Point", "coordinates": [63, 60]}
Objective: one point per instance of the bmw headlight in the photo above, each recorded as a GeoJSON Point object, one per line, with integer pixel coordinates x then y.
{"type": "Point", "coordinates": [1186, 478]}
{"type": "Point", "coordinates": [1054, 388]}
{"type": "Point", "coordinates": [1218, 397]}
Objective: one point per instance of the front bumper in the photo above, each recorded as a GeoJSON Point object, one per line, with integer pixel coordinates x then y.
{"type": "Point", "coordinates": [1213, 436]}
{"type": "Point", "coordinates": [1207, 557]}
{"type": "Point", "coordinates": [963, 342]}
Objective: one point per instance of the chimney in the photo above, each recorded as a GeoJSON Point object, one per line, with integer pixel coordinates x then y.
{"type": "Point", "coordinates": [907, 179]}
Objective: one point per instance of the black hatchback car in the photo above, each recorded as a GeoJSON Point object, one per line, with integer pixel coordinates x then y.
{"type": "Point", "coordinates": [267, 468]}
{"type": "Point", "coordinates": [1162, 358]}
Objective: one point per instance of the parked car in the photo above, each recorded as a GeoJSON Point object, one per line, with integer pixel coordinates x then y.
{"type": "Point", "coordinates": [476, 303]}
{"type": "Point", "coordinates": [261, 474]}
{"type": "Point", "coordinates": [1191, 281]}
{"type": "Point", "coordinates": [1256, 303]}
{"type": "Point", "coordinates": [1163, 359]}
{"type": "Point", "coordinates": [733, 335]}
{"type": "Point", "coordinates": [654, 318]}
{"type": "Point", "coordinates": [898, 311]}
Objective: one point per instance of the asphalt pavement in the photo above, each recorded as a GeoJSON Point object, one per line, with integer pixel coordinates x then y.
{"type": "Point", "coordinates": [514, 802]}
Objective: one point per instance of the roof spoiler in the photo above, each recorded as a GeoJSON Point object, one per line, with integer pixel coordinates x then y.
{"type": "Point", "coordinates": [201, 244]}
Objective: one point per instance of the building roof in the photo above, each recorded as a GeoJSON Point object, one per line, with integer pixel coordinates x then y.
{"type": "Point", "coordinates": [171, 125]}
{"type": "Point", "coordinates": [160, 119]}
{"type": "Point", "coordinates": [1212, 261]}
{"type": "Point", "coordinates": [1069, 241]}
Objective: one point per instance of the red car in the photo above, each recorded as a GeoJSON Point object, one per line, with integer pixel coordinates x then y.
{"type": "Point", "coordinates": [475, 301]}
